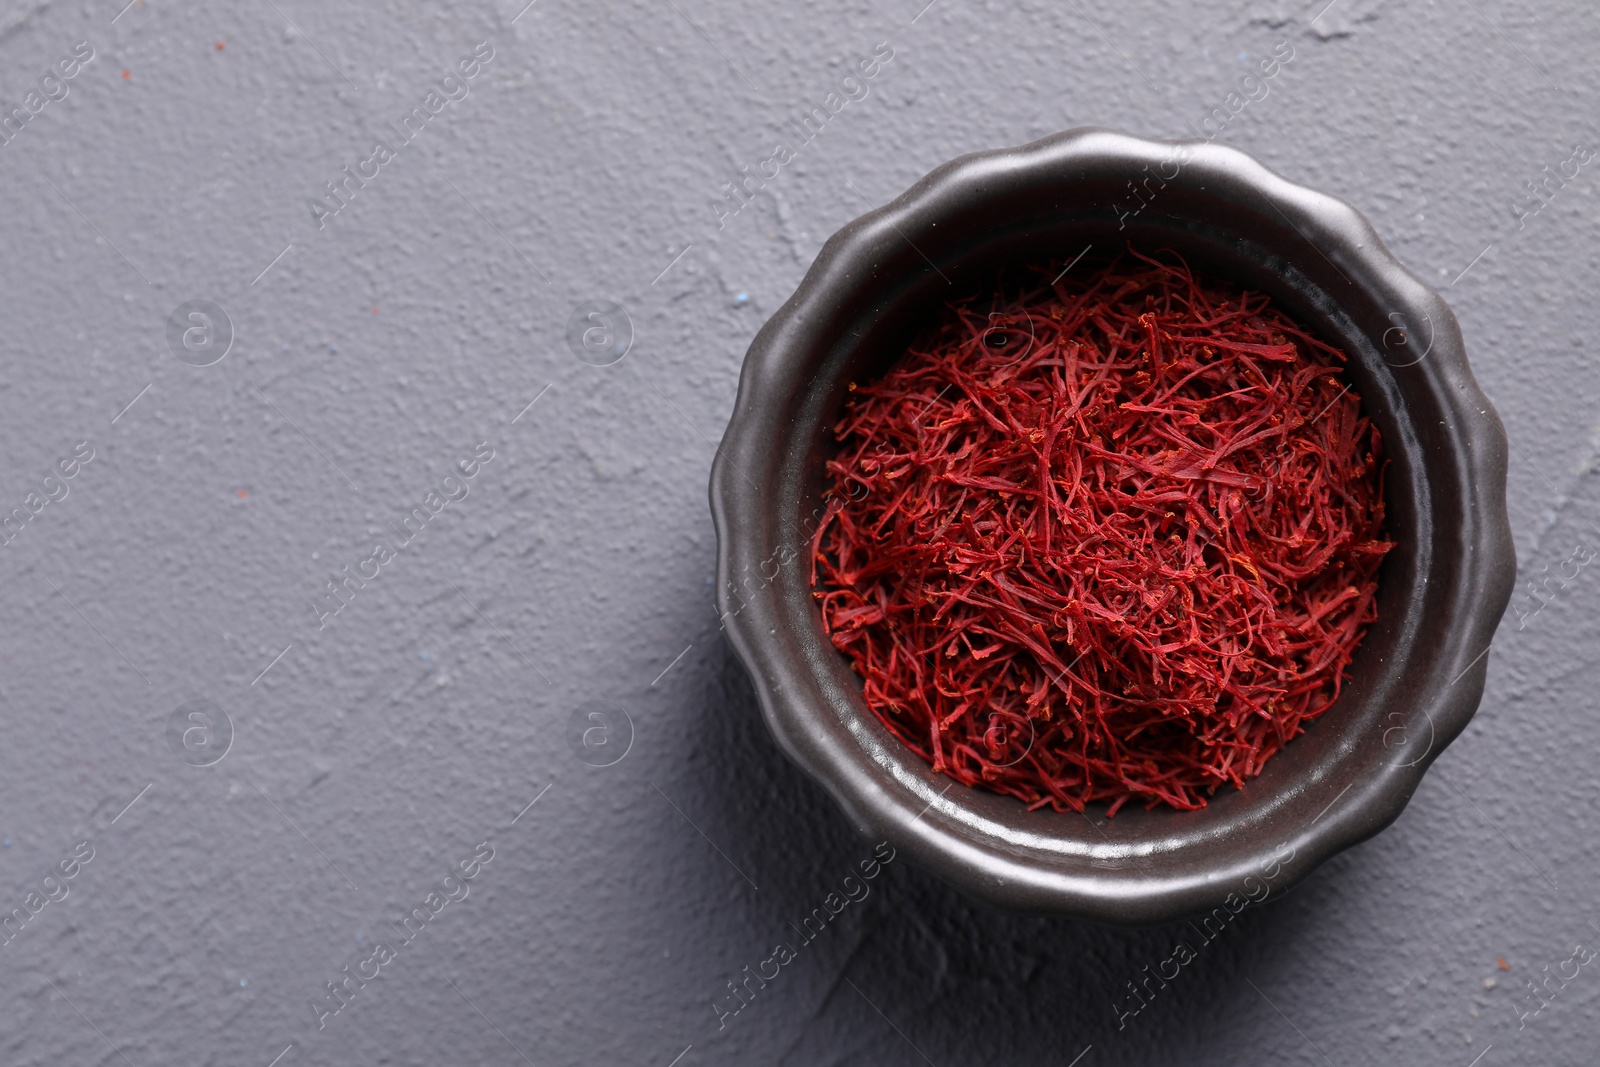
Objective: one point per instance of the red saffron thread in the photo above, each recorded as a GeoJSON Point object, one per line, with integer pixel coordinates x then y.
{"type": "Point", "coordinates": [1115, 541]}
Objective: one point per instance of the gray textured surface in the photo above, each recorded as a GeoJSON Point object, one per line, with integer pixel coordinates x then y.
{"type": "Point", "coordinates": [375, 353]}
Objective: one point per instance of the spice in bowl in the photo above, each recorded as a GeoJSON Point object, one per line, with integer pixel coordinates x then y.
{"type": "Point", "coordinates": [1104, 540]}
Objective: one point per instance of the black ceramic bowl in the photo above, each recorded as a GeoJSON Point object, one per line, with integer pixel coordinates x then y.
{"type": "Point", "coordinates": [1416, 679]}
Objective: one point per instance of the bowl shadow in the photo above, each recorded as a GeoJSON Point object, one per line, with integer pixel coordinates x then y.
{"type": "Point", "coordinates": [962, 980]}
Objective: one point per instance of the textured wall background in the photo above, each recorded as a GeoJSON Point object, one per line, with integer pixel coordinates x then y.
{"type": "Point", "coordinates": [368, 356]}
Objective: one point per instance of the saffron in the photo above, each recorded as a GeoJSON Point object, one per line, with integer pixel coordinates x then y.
{"type": "Point", "coordinates": [1104, 540]}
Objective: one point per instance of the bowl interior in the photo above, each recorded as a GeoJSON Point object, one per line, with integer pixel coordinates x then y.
{"type": "Point", "coordinates": [1220, 234]}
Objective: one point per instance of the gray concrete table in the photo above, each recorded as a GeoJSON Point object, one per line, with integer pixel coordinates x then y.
{"type": "Point", "coordinates": [286, 282]}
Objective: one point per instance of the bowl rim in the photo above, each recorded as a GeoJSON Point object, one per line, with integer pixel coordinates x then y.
{"type": "Point", "coordinates": [940, 828]}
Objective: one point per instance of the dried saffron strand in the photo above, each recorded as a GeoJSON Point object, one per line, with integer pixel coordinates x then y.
{"type": "Point", "coordinates": [1114, 541]}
